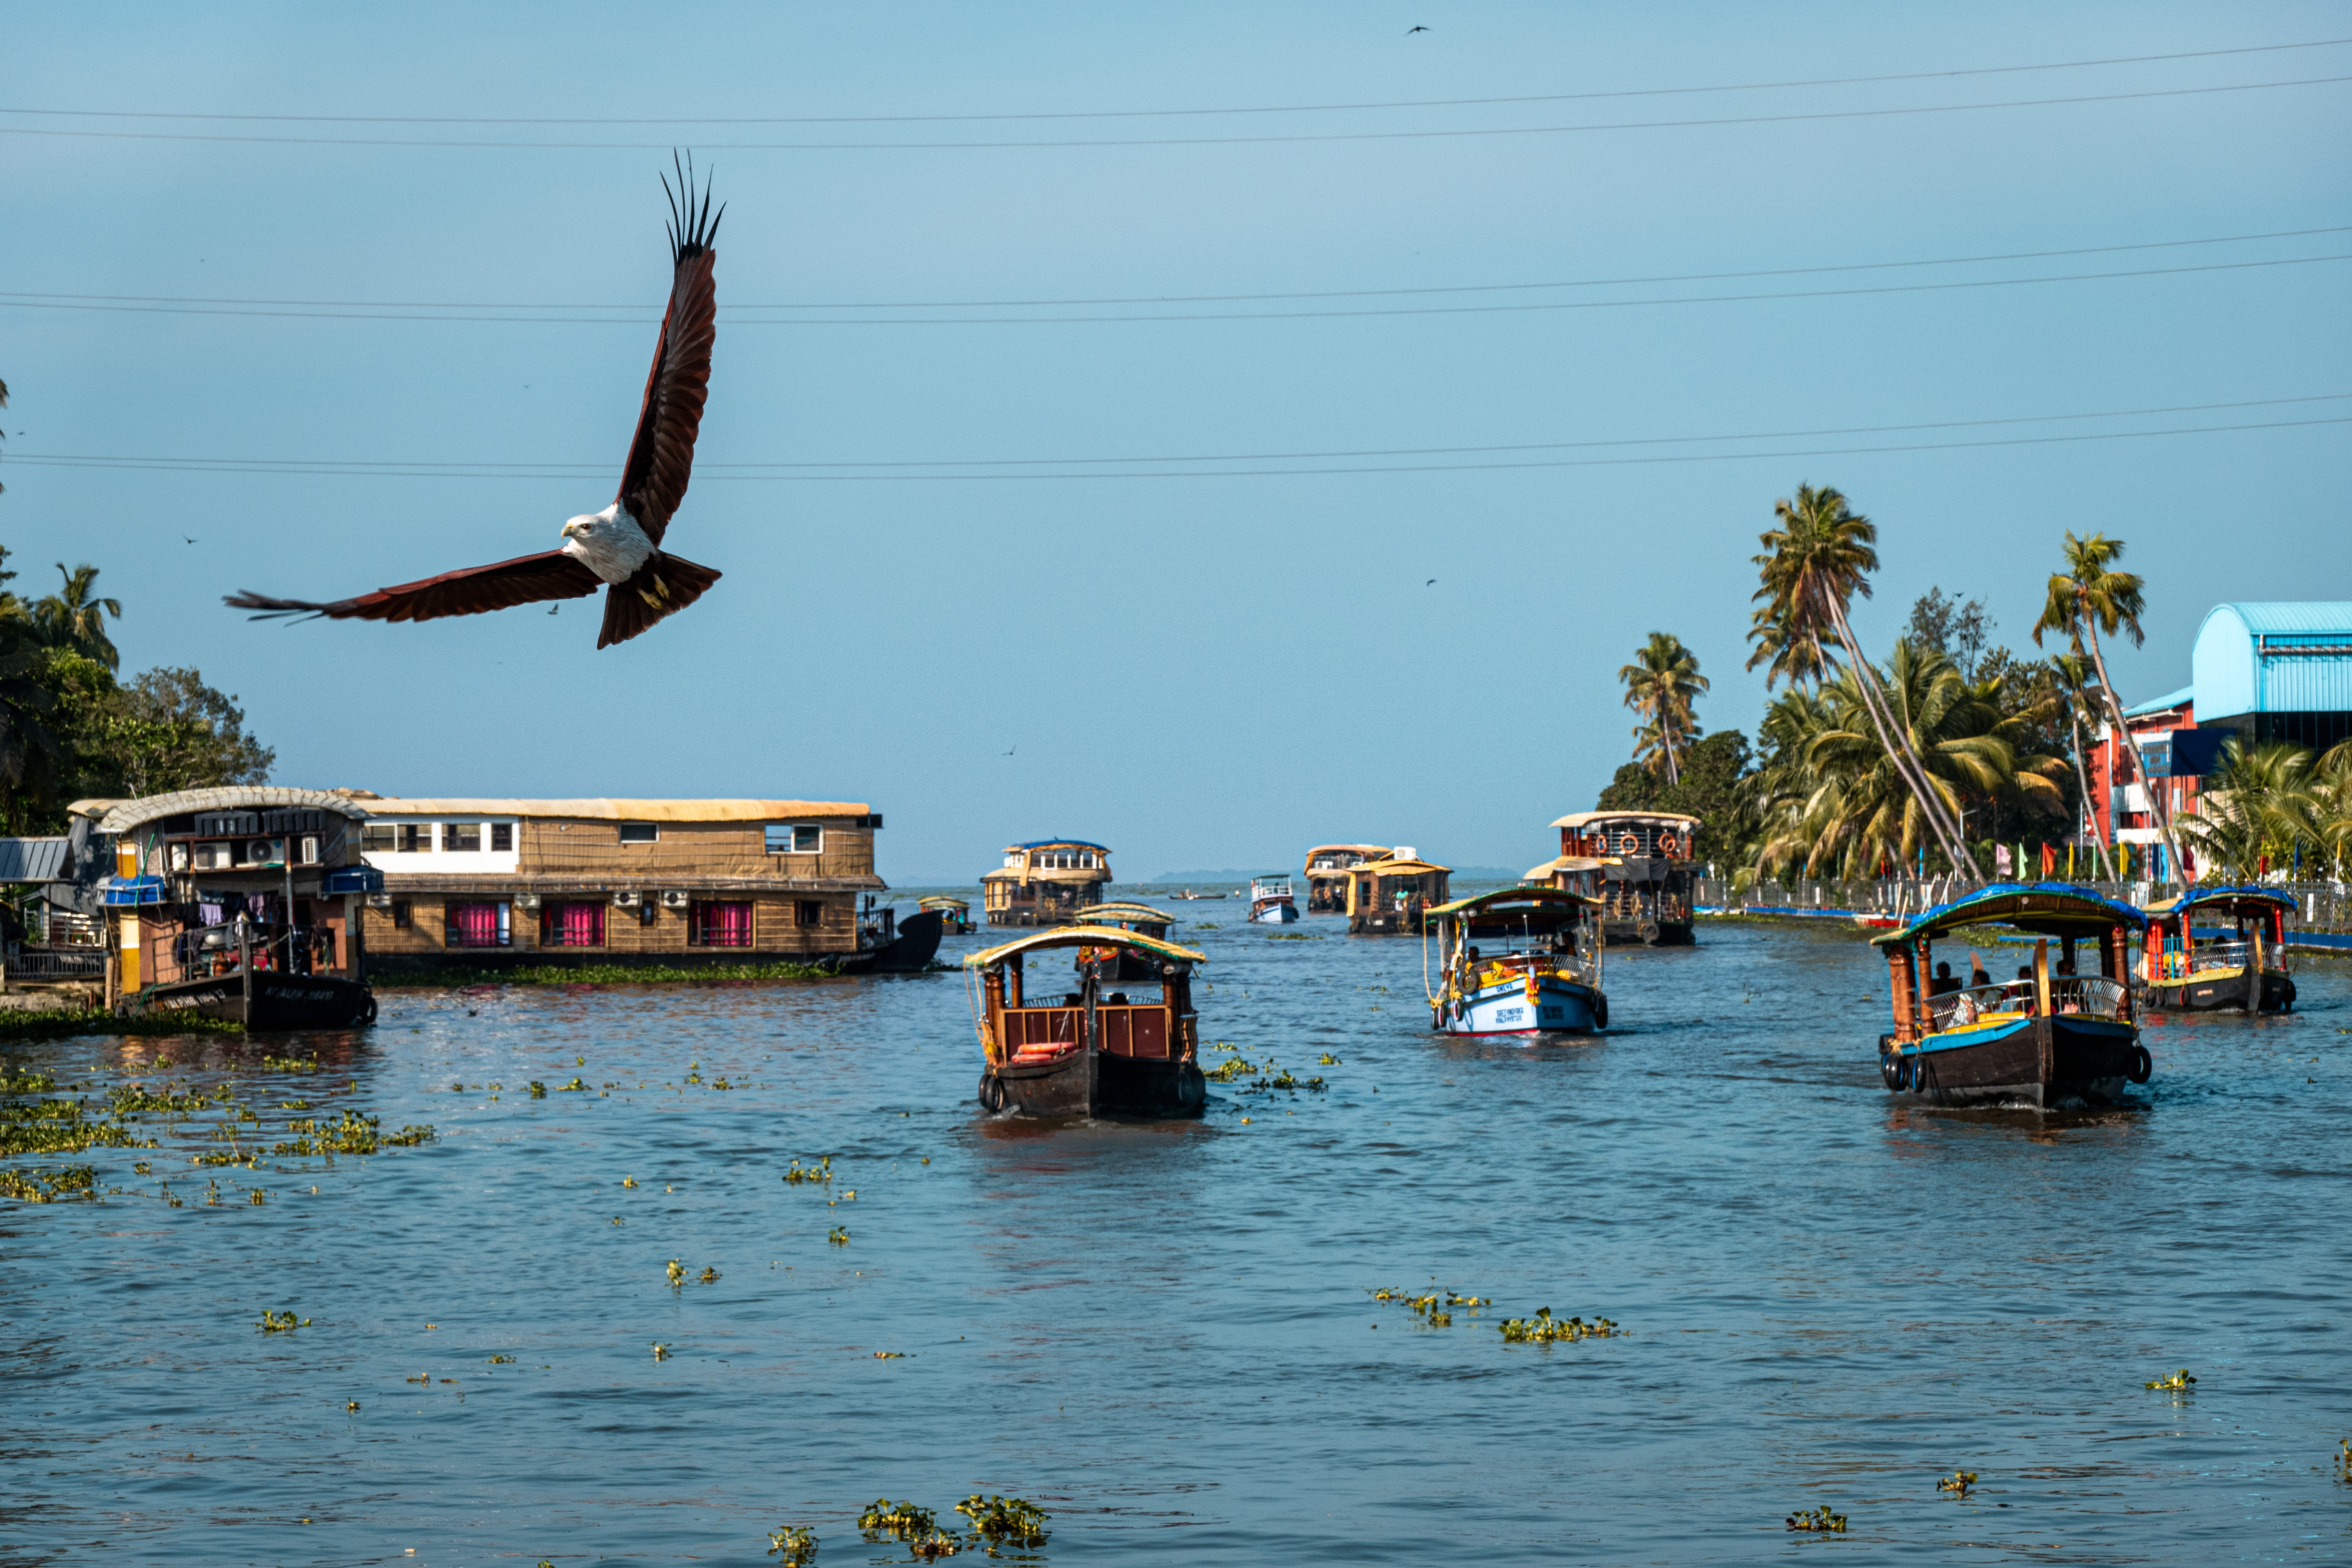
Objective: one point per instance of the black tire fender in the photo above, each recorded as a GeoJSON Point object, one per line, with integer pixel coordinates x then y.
{"type": "Point", "coordinates": [1894, 1068]}
{"type": "Point", "coordinates": [991, 1092]}
{"type": "Point", "coordinates": [367, 1011]}
{"type": "Point", "coordinates": [2143, 1066]}
{"type": "Point", "coordinates": [1600, 1011]}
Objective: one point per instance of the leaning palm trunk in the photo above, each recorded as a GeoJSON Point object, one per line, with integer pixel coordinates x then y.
{"type": "Point", "coordinates": [1905, 760]}
{"type": "Point", "coordinates": [2125, 745]}
{"type": "Point", "coordinates": [2083, 781]}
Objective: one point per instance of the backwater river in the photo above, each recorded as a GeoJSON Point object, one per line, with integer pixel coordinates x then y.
{"type": "Point", "coordinates": [1163, 1334]}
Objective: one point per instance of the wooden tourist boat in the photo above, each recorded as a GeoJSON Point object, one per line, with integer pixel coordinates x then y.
{"type": "Point", "coordinates": [1327, 865]}
{"type": "Point", "coordinates": [240, 905]}
{"type": "Point", "coordinates": [1141, 919]}
{"type": "Point", "coordinates": [2243, 968]}
{"type": "Point", "coordinates": [1091, 1050]}
{"type": "Point", "coordinates": [1387, 897]}
{"type": "Point", "coordinates": [955, 914]}
{"type": "Point", "coordinates": [1270, 900]}
{"type": "Point", "coordinates": [2052, 1037]}
{"type": "Point", "coordinates": [1542, 976]}
{"type": "Point", "coordinates": [1648, 870]}
{"type": "Point", "coordinates": [1045, 881]}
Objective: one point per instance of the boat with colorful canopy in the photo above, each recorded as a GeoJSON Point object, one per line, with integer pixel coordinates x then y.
{"type": "Point", "coordinates": [1544, 977]}
{"type": "Point", "coordinates": [1126, 915]}
{"type": "Point", "coordinates": [955, 914]}
{"type": "Point", "coordinates": [2243, 965]}
{"type": "Point", "coordinates": [2048, 1036]}
{"type": "Point", "coordinates": [1092, 1049]}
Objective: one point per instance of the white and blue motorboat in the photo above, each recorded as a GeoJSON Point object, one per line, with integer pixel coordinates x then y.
{"type": "Point", "coordinates": [1524, 961]}
{"type": "Point", "coordinates": [1270, 900]}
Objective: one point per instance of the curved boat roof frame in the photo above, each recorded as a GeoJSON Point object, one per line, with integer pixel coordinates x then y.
{"type": "Point", "coordinates": [1061, 844]}
{"type": "Point", "coordinates": [1094, 913]}
{"type": "Point", "coordinates": [2200, 897]}
{"type": "Point", "coordinates": [1082, 936]}
{"type": "Point", "coordinates": [2049, 909]}
{"type": "Point", "coordinates": [1544, 908]}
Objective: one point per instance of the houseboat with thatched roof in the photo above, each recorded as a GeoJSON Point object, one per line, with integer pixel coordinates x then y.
{"type": "Point", "coordinates": [1050, 1052]}
{"type": "Point", "coordinates": [1647, 874]}
{"type": "Point", "coordinates": [1045, 882]}
{"type": "Point", "coordinates": [240, 904]}
{"type": "Point", "coordinates": [2214, 967]}
{"type": "Point", "coordinates": [1386, 897]}
{"type": "Point", "coordinates": [1327, 865]}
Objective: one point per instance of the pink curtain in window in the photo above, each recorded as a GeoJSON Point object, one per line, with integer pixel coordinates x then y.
{"type": "Point", "coordinates": [580, 925]}
{"type": "Point", "coordinates": [474, 925]}
{"type": "Point", "coordinates": [726, 925]}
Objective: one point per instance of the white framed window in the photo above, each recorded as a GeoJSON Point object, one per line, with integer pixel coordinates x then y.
{"type": "Point", "coordinates": [378, 837]}
{"type": "Point", "coordinates": [464, 838]}
{"type": "Point", "coordinates": [795, 839]}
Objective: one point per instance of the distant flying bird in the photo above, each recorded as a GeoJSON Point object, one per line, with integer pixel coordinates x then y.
{"type": "Point", "coordinates": [1431, 583]}
{"type": "Point", "coordinates": [190, 541]}
{"type": "Point", "coordinates": [618, 549]}
{"type": "Point", "coordinates": [1409, 32]}
{"type": "Point", "coordinates": [1014, 749]}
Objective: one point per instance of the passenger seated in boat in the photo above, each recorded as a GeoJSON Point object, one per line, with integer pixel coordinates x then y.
{"type": "Point", "coordinates": [2018, 996]}
{"type": "Point", "coordinates": [1943, 984]}
{"type": "Point", "coordinates": [1977, 975]}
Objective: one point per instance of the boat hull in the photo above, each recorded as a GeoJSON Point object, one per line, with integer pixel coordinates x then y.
{"type": "Point", "coordinates": [1275, 915]}
{"type": "Point", "coordinates": [278, 1002]}
{"type": "Point", "coordinates": [1561, 1006]}
{"type": "Point", "coordinates": [1091, 1083]}
{"type": "Point", "coordinates": [1647, 934]}
{"type": "Point", "coordinates": [909, 953]}
{"type": "Point", "coordinates": [2221, 992]}
{"type": "Point", "coordinates": [2036, 1060]}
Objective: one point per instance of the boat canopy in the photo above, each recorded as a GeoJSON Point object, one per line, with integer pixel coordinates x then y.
{"type": "Point", "coordinates": [1060, 843]}
{"type": "Point", "coordinates": [1082, 936]}
{"type": "Point", "coordinates": [1112, 914]}
{"type": "Point", "coordinates": [2234, 900]}
{"type": "Point", "coordinates": [1516, 908]}
{"type": "Point", "coordinates": [941, 901]}
{"type": "Point", "coordinates": [1569, 863]}
{"type": "Point", "coordinates": [2052, 908]}
{"type": "Point", "coordinates": [1581, 818]}
{"type": "Point", "coordinates": [1374, 850]}
{"type": "Point", "coordinates": [1401, 868]}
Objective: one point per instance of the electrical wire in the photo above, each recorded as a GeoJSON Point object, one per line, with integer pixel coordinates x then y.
{"type": "Point", "coordinates": [1165, 113]}
{"type": "Point", "coordinates": [1827, 114]}
{"type": "Point", "coordinates": [1222, 316]}
{"type": "Point", "coordinates": [366, 469]}
{"type": "Point", "coordinates": [36, 297]}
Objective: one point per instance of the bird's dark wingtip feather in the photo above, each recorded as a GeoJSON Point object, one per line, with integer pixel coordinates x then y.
{"type": "Point", "coordinates": [272, 609]}
{"type": "Point", "coordinates": [692, 226]}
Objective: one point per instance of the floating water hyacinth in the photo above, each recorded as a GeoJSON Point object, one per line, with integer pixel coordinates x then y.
{"type": "Point", "coordinates": [538, 1089]}
{"type": "Point", "coordinates": [889, 1355]}
{"type": "Point", "coordinates": [290, 1064]}
{"type": "Point", "coordinates": [795, 1543]}
{"type": "Point", "coordinates": [284, 1322]}
{"type": "Point", "coordinates": [1326, 1060]}
{"type": "Point", "coordinates": [796, 1173]}
{"type": "Point", "coordinates": [932, 1547]}
{"type": "Point", "coordinates": [661, 1351]}
{"type": "Point", "coordinates": [1818, 1519]}
{"type": "Point", "coordinates": [1008, 1520]}
{"type": "Point", "coordinates": [708, 1275]}
{"type": "Point", "coordinates": [628, 1181]}
{"type": "Point", "coordinates": [1543, 1329]}
{"type": "Point", "coordinates": [2344, 1461]}
{"type": "Point", "coordinates": [676, 1272]}
{"type": "Point", "coordinates": [1957, 1483]}
{"type": "Point", "coordinates": [2177, 1382]}
{"type": "Point", "coordinates": [499, 1360]}
{"type": "Point", "coordinates": [838, 1235]}
{"type": "Point", "coordinates": [883, 1517]}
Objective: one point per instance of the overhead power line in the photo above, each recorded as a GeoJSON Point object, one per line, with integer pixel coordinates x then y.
{"type": "Point", "coordinates": [1162, 113]}
{"type": "Point", "coordinates": [1827, 114]}
{"type": "Point", "coordinates": [34, 297]}
{"type": "Point", "coordinates": [1220, 316]}
{"type": "Point", "coordinates": [796, 472]}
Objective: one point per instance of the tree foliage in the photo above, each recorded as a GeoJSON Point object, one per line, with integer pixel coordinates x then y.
{"type": "Point", "coordinates": [1660, 685]}
{"type": "Point", "coordinates": [1713, 771]}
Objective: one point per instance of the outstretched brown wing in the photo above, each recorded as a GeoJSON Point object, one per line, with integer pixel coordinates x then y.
{"type": "Point", "coordinates": [526, 579]}
{"type": "Point", "coordinates": [661, 456]}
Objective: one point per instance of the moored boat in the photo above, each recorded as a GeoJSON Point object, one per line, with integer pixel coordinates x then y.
{"type": "Point", "coordinates": [1141, 919]}
{"type": "Point", "coordinates": [1045, 881]}
{"type": "Point", "coordinates": [1091, 1050]}
{"type": "Point", "coordinates": [1387, 897]}
{"type": "Point", "coordinates": [2243, 966]}
{"type": "Point", "coordinates": [1648, 869]}
{"type": "Point", "coordinates": [1542, 977]}
{"type": "Point", "coordinates": [2049, 1037]}
{"type": "Point", "coordinates": [1270, 900]}
{"type": "Point", "coordinates": [889, 945]}
{"type": "Point", "coordinates": [955, 914]}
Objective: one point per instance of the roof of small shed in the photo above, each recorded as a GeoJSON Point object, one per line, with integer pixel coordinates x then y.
{"type": "Point", "coordinates": [122, 816]}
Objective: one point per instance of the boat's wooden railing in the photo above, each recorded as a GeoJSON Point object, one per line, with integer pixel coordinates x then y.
{"type": "Point", "coordinates": [1137, 1029]}
{"type": "Point", "coordinates": [1041, 1031]}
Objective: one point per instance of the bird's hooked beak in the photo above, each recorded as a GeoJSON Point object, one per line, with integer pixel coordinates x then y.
{"type": "Point", "coordinates": [569, 530]}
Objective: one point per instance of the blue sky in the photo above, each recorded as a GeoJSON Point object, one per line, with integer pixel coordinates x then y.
{"type": "Point", "coordinates": [1213, 669]}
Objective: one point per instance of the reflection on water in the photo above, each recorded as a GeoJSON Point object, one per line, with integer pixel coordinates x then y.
{"type": "Point", "coordinates": [1162, 1332]}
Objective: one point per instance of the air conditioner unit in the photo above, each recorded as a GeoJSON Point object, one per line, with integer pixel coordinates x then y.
{"type": "Point", "coordinates": [378, 900]}
{"type": "Point", "coordinates": [675, 900]}
{"type": "Point", "coordinates": [527, 900]}
{"type": "Point", "coordinates": [627, 900]}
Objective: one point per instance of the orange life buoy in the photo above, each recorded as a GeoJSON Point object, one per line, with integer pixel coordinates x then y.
{"type": "Point", "coordinates": [1628, 844]}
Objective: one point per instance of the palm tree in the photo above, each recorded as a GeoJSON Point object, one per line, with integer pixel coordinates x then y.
{"type": "Point", "coordinates": [1814, 563]}
{"type": "Point", "coordinates": [1834, 795]}
{"type": "Point", "coordinates": [2075, 686]}
{"type": "Point", "coordinates": [2256, 807]}
{"type": "Point", "coordinates": [2085, 599]}
{"type": "Point", "coordinates": [2330, 791]}
{"type": "Point", "coordinates": [75, 618]}
{"type": "Point", "coordinates": [1660, 684]}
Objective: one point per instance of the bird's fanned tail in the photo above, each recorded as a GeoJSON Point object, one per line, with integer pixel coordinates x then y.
{"type": "Point", "coordinates": [663, 585]}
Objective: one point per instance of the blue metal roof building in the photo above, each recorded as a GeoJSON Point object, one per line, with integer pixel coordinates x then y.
{"type": "Point", "coordinates": [2276, 671]}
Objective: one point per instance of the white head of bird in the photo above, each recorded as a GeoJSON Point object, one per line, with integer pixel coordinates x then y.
{"type": "Point", "coordinates": [608, 542]}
